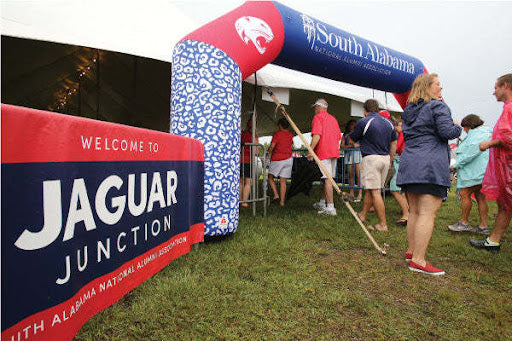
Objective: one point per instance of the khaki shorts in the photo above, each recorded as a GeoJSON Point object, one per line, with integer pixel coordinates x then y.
{"type": "Point", "coordinates": [330, 165]}
{"type": "Point", "coordinates": [374, 169]}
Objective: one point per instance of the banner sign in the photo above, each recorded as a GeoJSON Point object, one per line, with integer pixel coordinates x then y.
{"type": "Point", "coordinates": [318, 48]}
{"type": "Point", "coordinates": [89, 211]}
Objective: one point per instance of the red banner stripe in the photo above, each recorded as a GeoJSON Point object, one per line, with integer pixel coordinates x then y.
{"type": "Point", "coordinates": [83, 139]}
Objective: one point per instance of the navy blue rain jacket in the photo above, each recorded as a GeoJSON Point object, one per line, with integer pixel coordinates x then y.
{"type": "Point", "coordinates": [427, 127]}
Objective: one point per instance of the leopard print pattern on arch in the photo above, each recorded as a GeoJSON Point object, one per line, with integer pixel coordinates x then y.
{"type": "Point", "coordinates": [205, 104]}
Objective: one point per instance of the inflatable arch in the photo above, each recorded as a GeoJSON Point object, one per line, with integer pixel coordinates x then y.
{"type": "Point", "coordinates": [209, 64]}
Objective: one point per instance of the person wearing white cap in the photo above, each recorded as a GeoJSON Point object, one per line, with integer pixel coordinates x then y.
{"type": "Point", "coordinates": [326, 137]}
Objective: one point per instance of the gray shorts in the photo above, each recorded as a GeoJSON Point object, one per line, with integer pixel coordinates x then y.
{"type": "Point", "coordinates": [282, 168]}
{"type": "Point", "coordinates": [330, 165]}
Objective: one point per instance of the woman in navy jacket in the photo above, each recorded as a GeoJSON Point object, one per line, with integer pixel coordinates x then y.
{"type": "Point", "coordinates": [424, 172]}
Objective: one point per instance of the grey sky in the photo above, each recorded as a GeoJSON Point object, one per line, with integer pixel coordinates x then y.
{"type": "Point", "coordinates": [469, 44]}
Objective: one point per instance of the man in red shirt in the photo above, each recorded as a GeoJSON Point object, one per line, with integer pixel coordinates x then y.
{"type": "Point", "coordinates": [326, 137]}
{"type": "Point", "coordinates": [281, 162]}
{"type": "Point", "coordinates": [497, 182]}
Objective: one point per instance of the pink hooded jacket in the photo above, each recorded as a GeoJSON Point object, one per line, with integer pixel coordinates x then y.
{"type": "Point", "coordinates": [497, 182]}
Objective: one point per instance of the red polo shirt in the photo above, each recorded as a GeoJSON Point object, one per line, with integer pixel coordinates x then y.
{"type": "Point", "coordinates": [245, 154]}
{"type": "Point", "coordinates": [283, 149]}
{"type": "Point", "coordinates": [326, 125]}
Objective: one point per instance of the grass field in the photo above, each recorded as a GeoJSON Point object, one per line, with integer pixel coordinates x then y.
{"type": "Point", "coordinates": [297, 275]}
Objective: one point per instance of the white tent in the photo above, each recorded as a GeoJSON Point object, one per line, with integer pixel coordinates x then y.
{"type": "Point", "coordinates": [150, 30]}
{"type": "Point", "coordinates": [141, 28]}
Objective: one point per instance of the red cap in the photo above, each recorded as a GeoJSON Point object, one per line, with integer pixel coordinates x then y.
{"type": "Point", "coordinates": [385, 114]}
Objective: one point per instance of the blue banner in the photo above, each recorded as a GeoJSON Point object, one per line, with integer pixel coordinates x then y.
{"type": "Point", "coordinates": [86, 246]}
{"type": "Point", "coordinates": [317, 48]}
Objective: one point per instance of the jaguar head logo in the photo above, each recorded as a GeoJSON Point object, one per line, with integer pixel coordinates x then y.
{"type": "Point", "coordinates": [255, 30]}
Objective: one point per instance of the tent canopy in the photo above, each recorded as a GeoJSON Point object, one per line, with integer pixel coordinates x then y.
{"type": "Point", "coordinates": [144, 29]}
{"type": "Point", "coordinates": [277, 76]}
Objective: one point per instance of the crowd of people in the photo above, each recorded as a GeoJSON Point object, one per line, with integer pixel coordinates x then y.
{"type": "Point", "coordinates": [415, 147]}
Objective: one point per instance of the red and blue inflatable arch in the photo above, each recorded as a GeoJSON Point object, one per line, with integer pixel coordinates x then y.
{"type": "Point", "coordinates": [210, 63]}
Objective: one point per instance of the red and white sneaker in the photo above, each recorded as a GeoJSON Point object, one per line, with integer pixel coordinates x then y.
{"type": "Point", "coordinates": [427, 269]}
{"type": "Point", "coordinates": [408, 256]}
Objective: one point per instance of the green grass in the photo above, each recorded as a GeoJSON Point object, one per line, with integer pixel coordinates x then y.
{"type": "Point", "coordinates": [297, 275]}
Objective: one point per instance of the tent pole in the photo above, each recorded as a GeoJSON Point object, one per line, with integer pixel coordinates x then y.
{"type": "Point", "coordinates": [253, 156]}
{"type": "Point", "coordinates": [263, 166]}
{"type": "Point", "coordinates": [97, 84]}
{"type": "Point", "coordinates": [79, 96]}
{"type": "Point", "coordinates": [134, 89]}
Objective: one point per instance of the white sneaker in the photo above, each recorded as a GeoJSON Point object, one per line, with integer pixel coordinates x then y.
{"type": "Point", "coordinates": [460, 227]}
{"type": "Point", "coordinates": [319, 206]}
{"type": "Point", "coordinates": [328, 211]}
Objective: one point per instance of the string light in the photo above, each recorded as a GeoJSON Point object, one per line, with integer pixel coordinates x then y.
{"type": "Point", "coordinates": [64, 95]}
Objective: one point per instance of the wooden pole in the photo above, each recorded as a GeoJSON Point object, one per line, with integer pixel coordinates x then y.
{"type": "Point", "coordinates": [329, 177]}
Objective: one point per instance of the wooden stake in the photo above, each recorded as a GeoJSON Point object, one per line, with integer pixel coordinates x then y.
{"type": "Point", "coordinates": [322, 167]}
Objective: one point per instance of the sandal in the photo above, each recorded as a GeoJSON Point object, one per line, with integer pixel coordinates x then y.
{"type": "Point", "coordinates": [401, 222]}
{"type": "Point", "coordinates": [377, 227]}
{"type": "Point", "coordinates": [381, 229]}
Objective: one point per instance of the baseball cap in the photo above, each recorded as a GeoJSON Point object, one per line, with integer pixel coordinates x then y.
{"type": "Point", "coordinates": [385, 114]}
{"type": "Point", "coordinates": [321, 103]}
